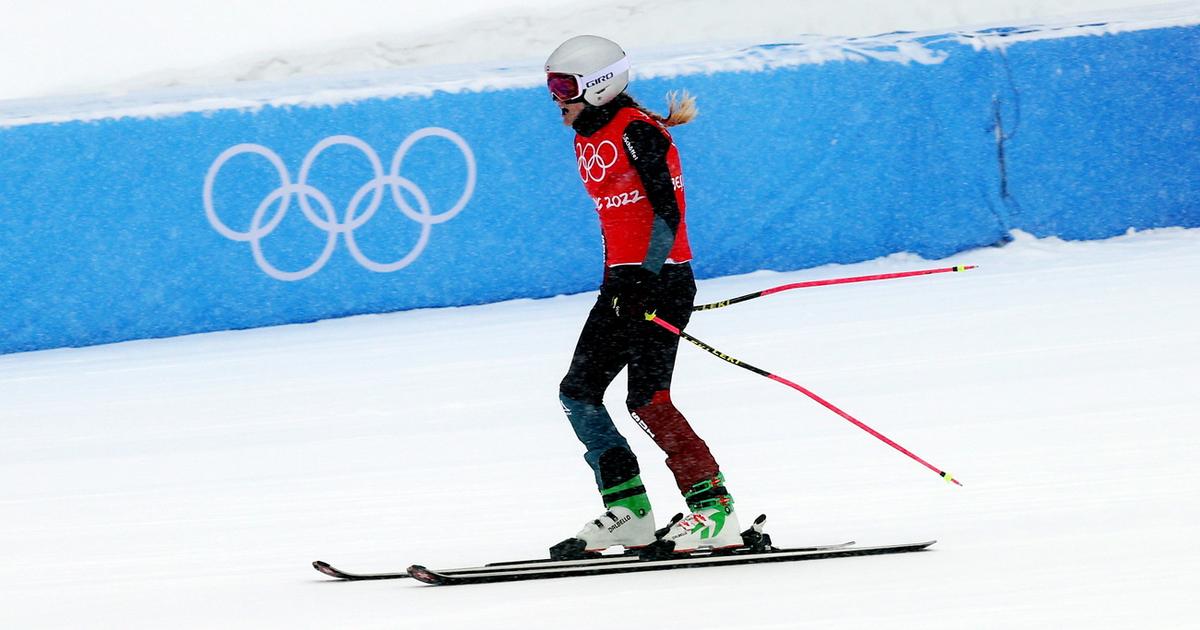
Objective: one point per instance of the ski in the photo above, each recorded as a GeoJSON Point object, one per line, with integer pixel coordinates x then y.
{"type": "Point", "coordinates": [481, 575]}
{"type": "Point", "coordinates": [530, 565]}
{"type": "Point", "coordinates": [334, 572]}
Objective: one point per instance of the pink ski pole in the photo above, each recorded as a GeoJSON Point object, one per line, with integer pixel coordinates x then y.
{"type": "Point", "coordinates": [822, 283]}
{"type": "Point", "coordinates": [778, 379]}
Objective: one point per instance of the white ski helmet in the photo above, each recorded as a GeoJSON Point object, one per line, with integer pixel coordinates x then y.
{"type": "Point", "coordinates": [588, 68]}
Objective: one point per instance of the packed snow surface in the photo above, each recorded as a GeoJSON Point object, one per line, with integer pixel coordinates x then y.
{"type": "Point", "coordinates": [506, 49]}
{"type": "Point", "coordinates": [68, 47]}
{"type": "Point", "coordinates": [189, 482]}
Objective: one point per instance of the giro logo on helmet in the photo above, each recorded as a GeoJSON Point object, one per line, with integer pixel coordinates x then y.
{"type": "Point", "coordinates": [599, 80]}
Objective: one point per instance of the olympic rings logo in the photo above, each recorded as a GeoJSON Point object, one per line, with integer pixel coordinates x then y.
{"type": "Point", "coordinates": [593, 160]}
{"type": "Point", "coordinates": [262, 225]}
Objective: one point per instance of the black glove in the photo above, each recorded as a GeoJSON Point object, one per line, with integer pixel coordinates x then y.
{"type": "Point", "coordinates": [631, 291]}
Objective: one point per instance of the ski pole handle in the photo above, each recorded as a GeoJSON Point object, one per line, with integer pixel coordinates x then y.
{"type": "Point", "coordinates": [778, 379]}
{"type": "Point", "coordinates": [823, 283]}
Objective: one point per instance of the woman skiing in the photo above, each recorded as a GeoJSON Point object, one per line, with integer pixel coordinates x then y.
{"type": "Point", "coordinates": [630, 167]}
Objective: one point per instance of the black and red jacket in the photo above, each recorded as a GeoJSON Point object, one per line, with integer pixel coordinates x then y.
{"type": "Point", "coordinates": [630, 167]}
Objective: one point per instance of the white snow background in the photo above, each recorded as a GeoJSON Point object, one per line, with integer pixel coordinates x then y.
{"type": "Point", "coordinates": [67, 47]}
{"type": "Point", "coordinates": [189, 482]}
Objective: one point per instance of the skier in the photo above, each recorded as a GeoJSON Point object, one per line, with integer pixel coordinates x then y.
{"type": "Point", "coordinates": [630, 167]}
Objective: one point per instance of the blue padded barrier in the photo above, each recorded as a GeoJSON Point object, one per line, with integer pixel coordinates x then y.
{"type": "Point", "coordinates": [126, 228]}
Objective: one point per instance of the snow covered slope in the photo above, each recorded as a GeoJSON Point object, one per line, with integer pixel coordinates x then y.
{"type": "Point", "coordinates": [68, 47]}
{"type": "Point", "coordinates": [189, 482]}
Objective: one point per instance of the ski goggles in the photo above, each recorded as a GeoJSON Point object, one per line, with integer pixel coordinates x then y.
{"type": "Point", "coordinates": [568, 87]}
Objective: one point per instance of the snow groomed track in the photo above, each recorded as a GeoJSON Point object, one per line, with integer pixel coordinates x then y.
{"type": "Point", "coordinates": [188, 482]}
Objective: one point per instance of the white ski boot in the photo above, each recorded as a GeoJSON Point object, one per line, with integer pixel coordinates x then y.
{"type": "Point", "coordinates": [619, 526]}
{"type": "Point", "coordinates": [711, 525]}
{"type": "Point", "coordinates": [708, 528]}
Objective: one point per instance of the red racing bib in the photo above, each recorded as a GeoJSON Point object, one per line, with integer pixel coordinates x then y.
{"type": "Point", "coordinates": [626, 215]}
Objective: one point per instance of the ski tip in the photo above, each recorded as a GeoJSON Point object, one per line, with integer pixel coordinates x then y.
{"type": "Point", "coordinates": [421, 574]}
{"type": "Point", "coordinates": [326, 568]}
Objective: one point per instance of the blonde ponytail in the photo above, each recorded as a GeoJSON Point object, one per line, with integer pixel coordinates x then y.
{"type": "Point", "coordinates": [681, 109]}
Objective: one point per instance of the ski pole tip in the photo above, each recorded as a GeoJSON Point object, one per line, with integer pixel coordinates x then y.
{"type": "Point", "coordinates": [965, 267]}
{"type": "Point", "coordinates": [950, 479]}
